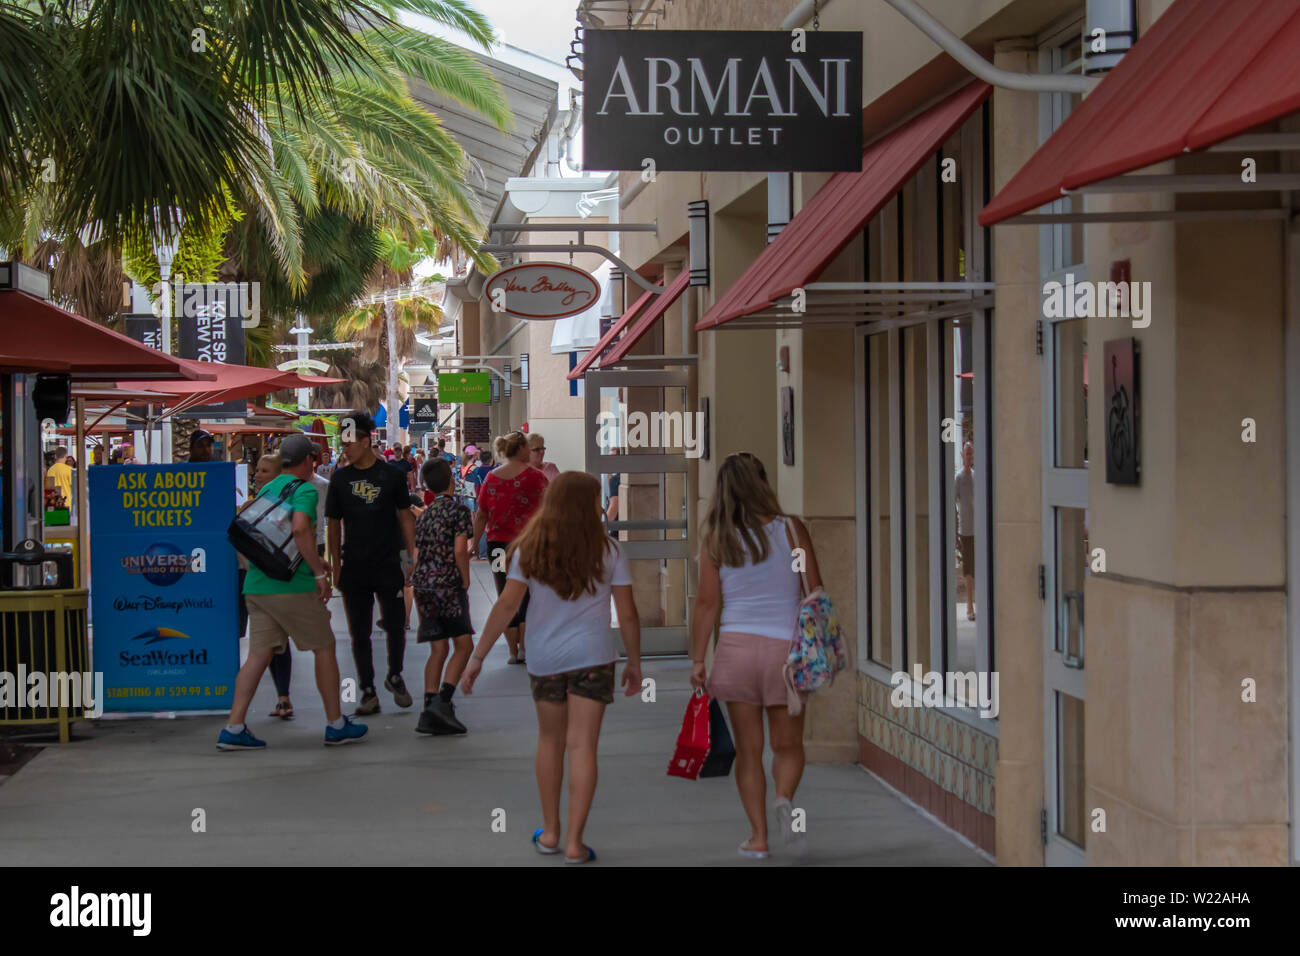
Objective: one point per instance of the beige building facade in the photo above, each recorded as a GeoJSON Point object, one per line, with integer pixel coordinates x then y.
{"type": "Point", "coordinates": [944, 440]}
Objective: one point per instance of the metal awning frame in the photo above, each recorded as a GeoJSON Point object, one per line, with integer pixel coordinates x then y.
{"type": "Point", "coordinates": [1172, 183]}
{"type": "Point", "coordinates": [847, 304]}
{"type": "Point", "coordinates": [478, 363]}
{"type": "Point", "coordinates": [653, 361]}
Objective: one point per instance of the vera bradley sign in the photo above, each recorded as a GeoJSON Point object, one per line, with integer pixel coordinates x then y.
{"type": "Point", "coordinates": [542, 290]}
{"type": "Point", "coordinates": [722, 100]}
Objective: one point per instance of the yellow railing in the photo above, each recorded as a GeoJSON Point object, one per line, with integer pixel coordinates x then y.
{"type": "Point", "coordinates": [44, 632]}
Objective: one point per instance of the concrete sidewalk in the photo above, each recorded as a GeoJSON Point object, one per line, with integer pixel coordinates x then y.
{"type": "Point", "coordinates": [125, 793]}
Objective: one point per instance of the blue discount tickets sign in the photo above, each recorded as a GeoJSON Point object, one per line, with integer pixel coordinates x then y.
{"type": "Point", "coordinates": [164, 585]}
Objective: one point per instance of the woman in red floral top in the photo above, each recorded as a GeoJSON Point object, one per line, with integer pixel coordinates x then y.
{"type": "Point", "coordinates": [506, 500]}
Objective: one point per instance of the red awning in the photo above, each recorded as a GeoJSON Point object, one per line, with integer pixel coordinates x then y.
{"type": "Point", "coordinates": [235, 381]}
{"type": "Point", "coordinates": [841, 209]}
{"type": "Point", "coordinates": [648, 318]}
{"type": "Point", "coordinates": [1206, 71]}
{"type": "Point", "coordinates": [580, 369]}
{"type": "Point", "coordinates": [100, 429]}
{"type": "Point", "coordinates": [26, 363]}
{"type": "Point", "coordinates": [230, 382]}
{"type": "Point", "coordinates": [42, 337]}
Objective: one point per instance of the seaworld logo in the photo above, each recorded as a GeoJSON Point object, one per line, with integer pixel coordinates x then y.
{"type": "Point", "coordinates": [159, 657]}
{"type": "Point", "coordinates": [156, 634]}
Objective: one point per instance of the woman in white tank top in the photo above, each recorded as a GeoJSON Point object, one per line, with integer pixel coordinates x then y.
{"type": "Point", "coordinates": [747, 566]}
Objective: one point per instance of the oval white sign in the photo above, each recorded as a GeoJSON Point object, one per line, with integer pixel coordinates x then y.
{"type": "Point", "coordinates": [541, 290]}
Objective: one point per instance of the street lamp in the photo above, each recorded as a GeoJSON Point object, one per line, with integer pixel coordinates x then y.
{"type": "Point", "coordinates": [166, 240]}
{"type": "Point", "coordinates": [302, 330]}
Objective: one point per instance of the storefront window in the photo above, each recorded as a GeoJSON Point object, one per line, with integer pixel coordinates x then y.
{"type": "Point", "coordinates": [1071, 393]}
{"type": "Point", "coordinates": [1071, 569]}
{"type": "Point", "coordinates": [962, 494]}
{"type": "Point", "coordinates": [917, 445]}
{"type": "Point", "coordinates": [1071, 815]}
{"type": "Point", "coordinates": [926, 400]}
{"type": "Point", "coordinates": [1062, 56]}
{"type": "Point", "coordinates": [880, 495]}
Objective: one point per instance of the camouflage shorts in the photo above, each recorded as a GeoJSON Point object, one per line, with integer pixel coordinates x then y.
{"type": "Point", "coordinates": [594, 683]}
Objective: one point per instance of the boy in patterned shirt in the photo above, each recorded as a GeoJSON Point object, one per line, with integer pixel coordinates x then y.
{"type": "Point", "coordinates": [441, 582]}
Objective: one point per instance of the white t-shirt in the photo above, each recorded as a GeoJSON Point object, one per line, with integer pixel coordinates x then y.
{"type": "Point", "coordinates": [762, 598]}
{"type": "Point", "coordinates": [566, 635]}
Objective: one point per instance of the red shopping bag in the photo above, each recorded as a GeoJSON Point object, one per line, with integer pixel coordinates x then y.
{"type": "Point", "coordinates": [693, 741]}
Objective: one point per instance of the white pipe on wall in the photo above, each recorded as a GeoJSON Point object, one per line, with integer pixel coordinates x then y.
{"type": "Point", "coordinates": [953, 45]}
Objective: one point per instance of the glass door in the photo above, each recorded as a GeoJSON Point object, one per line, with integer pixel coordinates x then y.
{"type": "Point", "coordinates": [640, 435]}
{"type": "Point", "coordinates": [1065, 495]}
{"type": "Point", "coordinates": [1066, 561]}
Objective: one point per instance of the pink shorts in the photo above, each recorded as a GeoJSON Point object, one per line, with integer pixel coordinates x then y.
{"type": "Point", "coordinates": [747, 669]}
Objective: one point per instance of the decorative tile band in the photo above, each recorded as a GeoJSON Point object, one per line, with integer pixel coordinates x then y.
{"type": "Point", "coordinates": [950, 752]}
{"type": "Point", "coordinates": [979, 828]}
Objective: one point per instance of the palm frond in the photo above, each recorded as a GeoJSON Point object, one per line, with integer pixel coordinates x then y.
{"type": "Point", "coordinates": [453, 13]}
{"type": "Point", "coordinates": [450, 70]}
{"type": "Point", "coordinates": [272, 199]}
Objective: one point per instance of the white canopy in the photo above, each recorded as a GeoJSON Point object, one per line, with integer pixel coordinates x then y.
{"type": "Point", "coordinates": [579, 332]}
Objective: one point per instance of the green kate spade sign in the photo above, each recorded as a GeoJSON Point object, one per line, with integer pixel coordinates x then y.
{"type": "Point", "coordinates": [464, 387]}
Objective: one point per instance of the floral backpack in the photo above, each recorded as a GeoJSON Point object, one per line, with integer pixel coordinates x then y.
{"type": "Point", "coordinates": [817, 648]}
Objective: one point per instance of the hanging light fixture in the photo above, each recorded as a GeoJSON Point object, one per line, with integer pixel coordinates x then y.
{"type": "Point", "coordinates": [697, 215]}
{"type": "Point", "coordinates": [1110, 31]}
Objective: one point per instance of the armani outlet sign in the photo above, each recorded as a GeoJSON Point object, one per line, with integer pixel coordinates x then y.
{"type": "Point", "coordinates": [722, 100]}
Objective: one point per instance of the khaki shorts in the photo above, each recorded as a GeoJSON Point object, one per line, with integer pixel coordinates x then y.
{"type": "Point", "coordinates": [273, 618]}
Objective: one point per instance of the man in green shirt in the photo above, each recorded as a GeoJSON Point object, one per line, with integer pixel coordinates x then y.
{"type": "Point", "coordinates": [278, 610]}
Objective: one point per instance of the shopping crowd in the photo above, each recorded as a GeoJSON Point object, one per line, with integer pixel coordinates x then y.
{"type": "Point", "coordinates": [387, 525]}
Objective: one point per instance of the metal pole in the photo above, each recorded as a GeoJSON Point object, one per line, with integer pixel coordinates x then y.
{"type": "Point", "coordinates": [302, 331]}
{"type": "Point", "coordinates": [165, 315]}
{"type": "Point", "coordinates": [83, 524]}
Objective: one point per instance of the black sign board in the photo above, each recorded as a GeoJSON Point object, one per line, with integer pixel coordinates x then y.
{"type": "Point", "coordinates": [424, 409]}
{"type": "Point", "coordinates": [1122, 411]}
{"type": "Point", "coordinates": [147, 330]}
{"type": "Point", "coordinates": [210, 324]}
{"type": "Point", "coordinates": [722, 100]}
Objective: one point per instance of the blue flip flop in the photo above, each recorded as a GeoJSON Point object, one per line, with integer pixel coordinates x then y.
{"type": "Point", "coordinates": [544, 850]}
{"type": "Point", "coordinates": [589, 858]}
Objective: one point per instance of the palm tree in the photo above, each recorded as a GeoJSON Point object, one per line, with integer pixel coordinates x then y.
{"type": "Point", "coordinates": [386, 324]}
{"type": "Point", "coordinates": [99, 88]}
{"type": "Point", "coordinates": [278, 108]}
{"type": "Point", "coordinates": [379, 149]}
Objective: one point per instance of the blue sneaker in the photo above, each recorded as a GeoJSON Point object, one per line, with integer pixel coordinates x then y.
{"type": "Point", "coordinates": [349, 732]}
{"type": "Point", "coordinates": [244, 740]}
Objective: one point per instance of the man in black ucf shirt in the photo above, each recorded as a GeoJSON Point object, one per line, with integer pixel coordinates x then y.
{"type": "Point", "coordinates": [369, 504]}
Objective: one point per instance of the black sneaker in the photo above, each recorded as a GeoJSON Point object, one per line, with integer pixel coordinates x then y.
{"type": "Point", "coordinates": [446, 711]}
{"type": "Point", "coordinates": [394, 684]}
{"type": "Point", "coordinates": [369, 703]}
{"type": "Point", "coordinates": [429, 724]}
{"type": "Point", "coordinates": [439, 720]}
